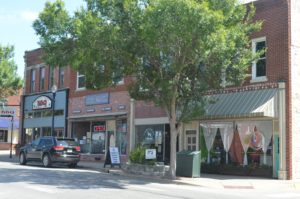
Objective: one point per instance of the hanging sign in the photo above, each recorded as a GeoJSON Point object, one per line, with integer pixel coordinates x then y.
{"type": "Point", "coordinates": [42, 102]}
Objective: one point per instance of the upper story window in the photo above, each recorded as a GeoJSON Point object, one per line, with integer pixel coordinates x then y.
{"type": "Point", "coordinates": [42, 78]}
{"type": "Point", "coordinates": [51, 77]}
{"type": "Point", "coordinates": [80, 81]}
{"type": "Point", "coordinates": [61, 77]}
{"type": "Point", "coordinates": [32, 83]}
{"type": "Point", "coordinates": [259, 66]}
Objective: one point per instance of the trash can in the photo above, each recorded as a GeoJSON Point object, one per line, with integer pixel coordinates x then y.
{"type": "Point", "coordinates": [188, 163]}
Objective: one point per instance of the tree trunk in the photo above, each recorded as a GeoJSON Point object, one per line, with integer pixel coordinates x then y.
{"type": "Point", "coordinates": [173, 133]}
{"type": "Point", "coordinates": [173, 149]}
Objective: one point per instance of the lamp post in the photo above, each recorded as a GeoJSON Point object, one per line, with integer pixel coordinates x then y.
{"type": "Point", "coordinates": [53, 90]}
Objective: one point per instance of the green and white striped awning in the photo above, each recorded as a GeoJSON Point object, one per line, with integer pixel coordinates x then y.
{"type": "Point", "coordinates": [255, 103]}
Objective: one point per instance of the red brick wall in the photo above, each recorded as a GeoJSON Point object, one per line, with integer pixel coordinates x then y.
{"type": "Point", "coordinates": [276, 27]}
{"type": "Point", "coordinates": [148, 110]}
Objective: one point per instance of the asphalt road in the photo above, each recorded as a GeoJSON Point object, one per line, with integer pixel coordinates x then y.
{"type": "Point", "coordinates": [37, 182]}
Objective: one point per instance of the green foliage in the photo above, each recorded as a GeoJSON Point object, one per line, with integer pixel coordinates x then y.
{"type": "Point", "coordinates": [137, 155]}
{"type": "Point", "coordinates": [10, 83]}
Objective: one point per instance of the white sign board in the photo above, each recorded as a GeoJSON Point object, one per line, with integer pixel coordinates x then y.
{"type": "Point", "coordinates": [114, 155]}
{"type": "Point", "coordinates": [41, 102]}
{"type": "Point", "coordinates": [150, 154]}
{"type": "Point", "coordinates": [8, 112]}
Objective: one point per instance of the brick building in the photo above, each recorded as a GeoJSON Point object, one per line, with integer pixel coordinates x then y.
{"type": "Point", "coordinates": [253, 126]}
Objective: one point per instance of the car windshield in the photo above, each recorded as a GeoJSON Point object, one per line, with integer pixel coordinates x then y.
{"type": "Point", "coordinates": [66, 142]}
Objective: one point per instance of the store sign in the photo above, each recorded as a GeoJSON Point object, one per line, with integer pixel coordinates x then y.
{"type": "Point", "coordinates": [42, 102]}
{"type": "Point", "coordinates": [8, 112]}
{"type": "Point", "coordinates": [101, 98]}
{"type": "Point", "coordinates": [114, 155]}
{"type": "Point", "coordinates": [150, 154]}
{"type": "Point", "coordinates": [99, 128]}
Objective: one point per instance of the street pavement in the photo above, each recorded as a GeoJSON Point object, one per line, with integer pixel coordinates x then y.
{"type": "Point", "coordinates": [205, 180]}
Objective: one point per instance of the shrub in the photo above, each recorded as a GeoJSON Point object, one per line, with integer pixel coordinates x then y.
{"type": "Point", "coordinates": [137, 155]}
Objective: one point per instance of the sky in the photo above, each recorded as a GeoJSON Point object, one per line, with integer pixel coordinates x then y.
{"type": "Point", "coordinates": [16, 18]}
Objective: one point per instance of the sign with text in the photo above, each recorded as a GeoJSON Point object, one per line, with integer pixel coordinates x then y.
{"type": "Point", "coordinates": [150, 154]}
{"type": "Point", "coordinates": [8, 112]}
{"type": "Point", "coordinates": [99, 128]}
{"type": "Point", "coordinates": [42, 102]}
{"type": "Point", "coordinates": [114, 155]}
{"type": "Point", "coordinates": [100, 98]}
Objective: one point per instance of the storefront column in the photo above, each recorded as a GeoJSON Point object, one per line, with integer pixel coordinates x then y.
{"type": "Point", "coordinates": [131, 125]}
{"type": "Point", "coordinates": [282, 132]}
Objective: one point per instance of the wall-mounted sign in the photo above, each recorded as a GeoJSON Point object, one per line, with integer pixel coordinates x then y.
{"type": "Point", "coordinates": [76, 111]}
{"type": "Point", "coordinates": [90, 110]}
{"type": "Point", "coordinates": [8, 112]}
{"type": "Point", "coordinates": [42, 102]}
{"type": "Point", "coordinates": [100, 98]}
{"type": "Point", "coordinates": [99, 128]}
{"type": "Point", "coordinates": [106, 109]}
{"type": "Point", "coordinates": [121, 107]}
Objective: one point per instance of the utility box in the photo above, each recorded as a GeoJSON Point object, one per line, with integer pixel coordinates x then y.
{"type": "Point", "coordinates": [188, 164]}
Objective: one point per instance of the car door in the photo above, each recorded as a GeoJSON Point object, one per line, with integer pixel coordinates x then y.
{"type": "Point", "coordinates": [31, 149]}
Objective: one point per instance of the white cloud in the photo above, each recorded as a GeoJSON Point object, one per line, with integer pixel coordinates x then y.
{"type": "Point", "coordinates": [29, 15]}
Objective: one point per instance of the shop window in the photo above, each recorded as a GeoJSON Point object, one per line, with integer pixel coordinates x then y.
{"type": "Point", "coordinates": [259, 66]}
{"type": "Point", "coordinates": [59, 112]}
{"type": "Point", "coordinates": [121, 141]}
{"type": "Point", "coordinates": [3, 135]}
{"type": "Point", "coordinates": [98, 138]}
{"type": "Point", "coordinates": [191, 140]}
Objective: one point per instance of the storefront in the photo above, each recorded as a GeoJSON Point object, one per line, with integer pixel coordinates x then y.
{"type": "Point", "coordinates": [9, 128]}
{"type": "Point", "coordinates": [42, 114]}
{"type": "Point", "coordinates": [155, 136]}
{"type": "Point", "coordinates": [99, 121]}
{"type": "Point", "coordinates": [241, 131]}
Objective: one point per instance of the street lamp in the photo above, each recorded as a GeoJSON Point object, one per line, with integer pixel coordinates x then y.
{"type": "Point", "coordinates": [53, 90]}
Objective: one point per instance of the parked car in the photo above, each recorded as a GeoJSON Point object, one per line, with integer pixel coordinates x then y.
{"type": "Point", "coordinates": [50, 150]}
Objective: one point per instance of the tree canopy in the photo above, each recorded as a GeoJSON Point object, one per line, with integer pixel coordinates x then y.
{"type": "Point", "coordinates": [174, 49]}
{"type": "Point", "coordinates": [10, 83]}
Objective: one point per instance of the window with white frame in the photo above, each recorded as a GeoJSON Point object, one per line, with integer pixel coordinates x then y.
{"type": "Point", "coordinates": [191, 140]}
{"type": "Point", "coordinates": [80, 81]}
{"type": "Point", "coordinates": [259, 66]}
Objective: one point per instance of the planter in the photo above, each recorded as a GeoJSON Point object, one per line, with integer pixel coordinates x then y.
{"type": "Point", "coordinates": [143, 169]}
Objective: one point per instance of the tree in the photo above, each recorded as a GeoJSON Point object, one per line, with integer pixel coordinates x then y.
{"type": "Point", "coordinates": [175, 50]}
{"type": "Point", "coordinates": [10, 83]}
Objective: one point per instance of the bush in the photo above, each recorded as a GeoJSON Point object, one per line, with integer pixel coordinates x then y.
{"type": "Point", "coordinates": [137, 155]}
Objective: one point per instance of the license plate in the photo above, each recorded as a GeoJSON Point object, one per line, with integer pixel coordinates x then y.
{"type": "Point", "coordinates": [69, 150]}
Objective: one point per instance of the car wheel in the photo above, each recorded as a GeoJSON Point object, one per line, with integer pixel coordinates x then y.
{"type": "Point", "coordinates": [46, 160]}
{"type": "Point", "coordinates": [72, 165]}
{"type": "Point", "coordinates": [22, 158]}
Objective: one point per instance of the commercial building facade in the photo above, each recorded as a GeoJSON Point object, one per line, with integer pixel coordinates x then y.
{"type": "Point", "coordinates": [254, 125]}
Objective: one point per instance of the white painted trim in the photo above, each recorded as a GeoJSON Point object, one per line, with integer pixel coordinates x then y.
{"type": "Point", "coordinates": [254, 78]}
{"type": "Point", "coordinates": [149, 121]}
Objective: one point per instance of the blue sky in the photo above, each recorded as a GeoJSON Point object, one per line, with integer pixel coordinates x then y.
{"type": "Point", "coordinates": [16, 18]}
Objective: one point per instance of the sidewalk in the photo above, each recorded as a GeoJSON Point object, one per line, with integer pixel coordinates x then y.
{"type": "Point", "coordinates": [206, 180]}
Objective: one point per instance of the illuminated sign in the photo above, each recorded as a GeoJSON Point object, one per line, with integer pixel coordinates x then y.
{"type": "Point", "coordinates": [99, 128]}
{"type": "Point", "coordinates": [42, 102]}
